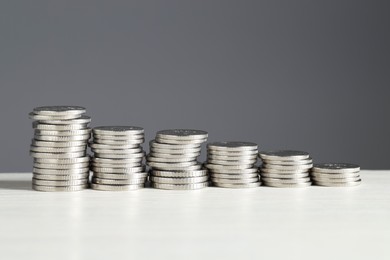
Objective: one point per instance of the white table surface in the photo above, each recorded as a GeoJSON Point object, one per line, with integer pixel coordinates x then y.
{"type": "Point", "coordinates": [266, 223]}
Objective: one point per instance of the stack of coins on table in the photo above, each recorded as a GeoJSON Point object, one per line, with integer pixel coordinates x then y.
{"type": "Point", "coordinates": [336, 174]}
{"type": "Point", "coordinates": [117, 163]}
{"type": "Point", "coordinates": [286, 169]}
{"type": "Point", "coordinates": [173, 160]}
{"type": "Point", "coordinates": [232, 164]}
{"type": "Point", "coordinates": [59, 148]}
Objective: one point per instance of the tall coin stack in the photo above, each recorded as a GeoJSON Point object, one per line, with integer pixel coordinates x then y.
{"type": "Point", "coordinates": [59, 148]}
{"type": "Point", "coordinates": [286, 169]}
{"type": "Point", "coordinates": [173, 160]}
{"type": "Point", "coordinates": [232, 164]}
{"type": "Point", "coordinates": [336, 174]}
{"type": "Point", "coordinates": [117, 163]}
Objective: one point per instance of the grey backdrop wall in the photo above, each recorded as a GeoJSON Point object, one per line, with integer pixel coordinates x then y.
{"type": "Point", "coordinates": [309, 75]}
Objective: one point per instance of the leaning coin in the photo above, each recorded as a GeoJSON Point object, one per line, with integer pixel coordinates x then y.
{"type": "Point", "coordinates": [121, 176]}
{"type": "Point", "coordinates": [287, 185]}
{"type": "Point", "coordinates": [59, 183]}
{"type": "Point", "coordinates": [237, 185]}
{"type": "Point", "coordinates": [61, 177]}
{"type": "Point", "coordinates": [105, 187]}
{"type": "Point", "coordinates": [187, 180]}
{"type": "Point", "coordinates": [336, 168]}
{"type": "Point", "coordinates": [234, 181]}
{"type": "Point", "coordinates": [57, 155]}
{"type": "Point", "coordinates": [182, 134]}
{"type": "Point", "coordinates": [81, 120]}
{"type": "Point", "coordinates": [44, 149]}
{"type": "Point", "coordinates": [61, 166]}
{"type": "Point", "coordinates": [338, 184]}
{"type": "Point", "coordinates": [60, 188]}
{"type": "Point", "coordinates": [118, 170]}
{"type": "Point", "coordinates": [118, 130]}
{"type": "Point", "coordinates": [193, 186]}
{"type": "Point", "coordinates": [84, 159]}
{"type": "Point", "coordinates": [179, 174]}
{"type": "Point", "coordinates": [38, 117]}
{"type": "Point", "coordinates": [232, 146]}
{"type": "Point", "coordinates": [59, 110]}
{"type": "Point", "coordinates": [284, 155]}
{"type": "Point", "coordinates": [118, 182]}
{"type": "Point", "coordinates": [60, 172]}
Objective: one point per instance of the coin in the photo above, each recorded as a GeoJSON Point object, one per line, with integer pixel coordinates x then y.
{"type": "Point", "coordinates": [179, 174]}
{"type": "Point", "coordinates": [45, 149]}
{"type": "Point", "coordinates": [57, 144]}
{"type": "Point", "coordinates": [61, 172]}
{"type": "Point", "coordinates": [120, 142]}
{"type": "Point", "coordinates": [121, 176]}
{"type": "Point", "coordinates": [61, 166]}
{"type": "Point", "coordinates": [57, 155]}
{"type": "Point", "coordinates": [182, 134]}
{"type": "Point", "coordinates": [182, 180]}
{"type": "Point", "coordinates": [234, 171]}
{"type": "Point", "coordinates": [119, 130]}
{"type": "Point", "coordinates": [228, 167]}
{"type": "Point", "coordinates": [118, 170]}
{"type": "Point", "coordinates": [288, 185]}
{"type": "Point", "coordinates": [84, 159]}
{"type": "Point", "coordinates": [105, 187]}
{"type": "Point", "coordinates": [235, 176]}
{"type": "Point", "coordinates": [238, 162]}
{"type": "Point", "coordinates": [285, 176]}
{"type": "Point", "coordinates": [57, 189]}
{"type": "Point", "coordinates": [61, 177]}
{"type": "Point", "coordinates": [166, 155]}
{"type": "Point", "coordinates": [232, 146]}
{"type": "Point", "coordinates": [117, 165]}
{"type": "Point", "coordinates": [140, 138]}
{"type": "Point", "coordinates": [281, 180]}
{"type": "Point", "coordinates": [288, 167]}
{"type": "Point", "coordinates": [170, 160]}
{"type": "Point", "coordinates": [57, 183]}
{"type": "Point", "coordinates": [175, 151]}
{"type": "Point", "coordinates": [336, 180]}
{"type": "Point", "coordinates": [119, 151]}
{"type": "Point", "coordinates": [40, 126]}
{"type": "Point", "coordinates": [154, 144]}
{"type": "Point", "coordinates": [338, 184]}
{"type": "Point", "coordinates": [284, 155]}
{"type": "Point", "coordinates": [80, 120]}
{"type": "Point", "coordinates": [63, 133]}
{"type": "Point", "coordinates": [193, 186]}
{"type": "Point", "coordinates": [134, 156]}
{"type": "Point", "coordinates": [237, 185]}
{"type": "Point", "coordinates": [114, 147]}
{"type": "Point", "coordinates": [59, 110]}
{"type": "Point", "coordinates": [39, 117]}
{"type": "Point", "coordinates": [336, 168]}
{"type": "Point", "coordinates": [97, 180]}
{"type": "Point", "coordinates": [280, 171]}
{"type": "Point", "coordinates": [180, 141]}
{"type": "Point", "coordinates": [234, 181]}
{"type": "Point", "coordinates": [62, 138]}
{"type": "Point", "coordinates": [232, 158]}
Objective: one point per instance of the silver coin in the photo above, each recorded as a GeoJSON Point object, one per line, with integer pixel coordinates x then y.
{"type": "Point", "coordinates": [186, 180]}
{"type": "Point", "coordinates": [234, 171]}
{"type": "Point", "coordinates": [287, 185]}
{"type": "Point", "coordinates": [178, 168]}
{"type": "Point", "coordinates": [81, 120]}
{"type": "Point", "coordinates": [288, 167]}
{"type": "Point", "coordinates": [232, 153]}
{"type": "Point", "coordinates": [118, 170]}
{"type": "Point", "coordinates": [59, 189]}
{"type": "Point", "coordinates": [193, 186]}
{"type": "Point", "coordinates": [280, 171]}
{"type": "Point", "coordinates": [228, 167]}
{"type": "Point", "coordinates": [284, 155]}
{"type": "Point", "coordinates": [174, 141]}
{"type": "Point", "coordinates": [61, 177]}
{"type": "Point", "coordinates": [179, 174]}
{"type": "Point", "coordinates": [57, 155]}
{"type": "Point", "coordinates": [57, 144]}
{"type": "Point", "coordinates": [175, 151]}
{"type": "Point", "coordinates": [55, 166]}
{"type": "Point", "coordinates": [114, 142]}
{"type": "Point", "coordinates": [60, 172]}
{"type": "Point", "coordinates": [121, 176]}
{"type": "Point", "coordinates": [118, 182]}
{"type": "Point", "coordinates": [63, 133]}
{"type": "Point", "coordinates": [170, 160]}
{"type": "Point", "coordinates": [289, 163]}
{"type": "Point", "coordinates": [231, 158]}
{"type": "Point", "coordinates": [338, 184]}
{"type": "Point", "coordinates": [234, 176]}
{"type": "Point", "coordinates": [336, 168]}
{"type": "Point", "coordinates": [163, 165]}
{"type": "Point", "coordinates": [285, 176]}
{"type": "Point", "coordinates": [225, 163]}
{"type": "Point", "coordinates": [84, 159]}
{"type": "Point", "coordinates": [62, 138]}
{"type": "Point", "coordinates": [117, 165]}
{"type": "Point", "coordinates": [335, 175]}
{"type": "Point", "coordinates": [59, 110]}
{"type": "Point", "coordinates": [337, 180]}
{"type": "Point", "coordinates": [117, 151]}
{"type": "Point", "coordinates": [182, 134]}
{"type": "Point", "coordinates": [114, 147]}
{"type": "Point", "coordinates": [237, 185]}
{"type": "Point", "coordinates": [119, 137]}
{"type": "Point", "coordinates": [44, 149]}
{"type": "Point", "coordinates": [119, 130]}
{"type": "Point", "coordinates": [120, 156]}
{"type": "Point", "coordinates": [116, 161]}
{"type": "Point", "coordinates": [174, 156]}
{"type": "Point", "coordinates": [267, 180]}
{"type": "Point", "coordinates": [234, 181]}
{"type": "Point", "coordinates": [155, 144]}
{"type": "Point", "coordinates": [39, 126]}
{"type": "Point", "coordinates": [105, 187]}
{"type": "Point", "coordinates": [59, 183]}
{"type": "Point", "coordinates": [232, 146]}
{"type": "Point", "coordinates": [38, 117]}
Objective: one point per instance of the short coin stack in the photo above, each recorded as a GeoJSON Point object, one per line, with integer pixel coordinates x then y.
{"type": "Point", "coordinates": [232, 164]}
{"type": "Point", "coordinates": [286, 169]}
{"type": "Point", "coordinates": [117, 163]}
{"type": "Point", "coordinates": [336, 174]}
{"type": "Point", "coordinates": [173, 160]}
{"type": "Point", "coordinates": [59, 148]}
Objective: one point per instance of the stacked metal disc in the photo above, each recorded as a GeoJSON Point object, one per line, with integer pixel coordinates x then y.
{"type": "Point", "coordinates": [173, 160]}
{"type": "Point", "coordinates": [59, 148]}
{"type": "Point", "coordinates": [117, 163]}
{"type": "Point", "coordinates": [336, 174]}
{"type": "Point", "coordinates": [286, 169]}
{"type": "Point", "coordinates": [232, 164]}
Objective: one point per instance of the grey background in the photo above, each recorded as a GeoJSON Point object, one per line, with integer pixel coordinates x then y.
{"type": "Point", "coordinates": [308, 75]}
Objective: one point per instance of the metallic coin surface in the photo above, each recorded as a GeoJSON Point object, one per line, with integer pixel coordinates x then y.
{"type": "Point", "coordinates": [84, 159]}
{"type": "Point", "coordinates": [105, 187]}
{"type": "Point", "coordinates": [44, 149]}
{"type": "Point", "coordinates": [180, 141]}
{"type": "Point", "coordinates": [237, 185]}
{"type": "Point", "coordinates": [61, 177]}
{"type": "Point", "coordinates": [179, 174]}
{"type": "Point", "coordinates": [193, 186]}
{"type": "Point", "coordinates": [39, 126]}
{"type": "Point", "coordinates": [61, 166]}
{"type": "Point", "coordinates": [59, 110]}
{"type": "Point", "coordinates": [234, 171]}
{"type": "Point", "coordinates": [338, 184]}
{"type": "Point", "coordinates": [59, 189]}
{"type": "Point", "coordinates": [285, 176]}
{"type": "Point", "coordinates": [57, 155]}
{"type": "Point", "coordinates": [336, 168]}
{"type": "Point", "coordinates": [226, 163]}
{"type": "Point", "coordinates": [284, 155]}
{"type": "Point", "coordinates": [121, 176]}
{"type": "Point", "coordinates": [182, 134]}
{"type": "Point", "coordinates": [228, 167]}
{"type": "Point", "coordinates": [154, 144]}
{"type": "Point", "coordinates": [288, 163]}
{"type": "Point", "coordinates": [267, 180]}
{"type": "Point", "coordinates": [232, 146]}
{"type": "Point", "coordinates": [57, 144]}
{"type": "Point", "coordinates": [59, 183]}
{"type": "Point", "coordinates": [63, 133]}
{"type": "Point", "coordinates": [119, 130]}
{"type": "Point", "coordinates": [80, 120]}
{"type": "Point", "coordinates": [61, 172]}
{"type": "Point", "coordinates": [234, 181]}
{"type": "Point", "coordinates": [170, 160]}
{"type": "Point", "coordinates": [234, 176]}
{"type": "Point", "coordinates": [186, 180]}
{"type": "Point", "coordinates": [287, 185]}
{"type": "Point", "coordinates": [97, 180]}
{"type": "Point", "coordinates": [61, 138]}
{"type": "Point", "coordinates": [118, 170]}
{"type": "Point", "coordinates": [119, 137]}
{"type": "Point", "coordinates": [166, 155]}
{"type": "Point", "coordinates": [288, 167]}
{"type": "Point", "coordinates": [280, 171]}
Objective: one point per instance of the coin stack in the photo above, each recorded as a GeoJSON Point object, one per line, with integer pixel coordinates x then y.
{"type": "Point", "coordinates": [59, 148]}
{"type": "Point", "coordinates": [117, 163]}
{"type": "Point", "coordinates": [173, 160]}
{"type": "Point", "coordinates": [336, 174]}
{"type": "Point", "coordinates": [232, 164]}
{"type": "Point", "coordinates": [286, 169]}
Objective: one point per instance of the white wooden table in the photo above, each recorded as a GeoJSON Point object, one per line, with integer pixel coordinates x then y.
{"type": "Point", "coordinates": [259, 223]}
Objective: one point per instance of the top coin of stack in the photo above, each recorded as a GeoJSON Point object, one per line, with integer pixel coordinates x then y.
{"type": "Point", "coordinates": [232, 164]}
{"type": "Point", "coordinates": [336, 174]}
{"type": "Point", "coordinates": [173, 159]}
{"type": "Point", "coordinates": [59, 148]}
{"type": "Point", "coordinates": [118, 155]}
{"type": "Point", "coordinates": [286, 168]}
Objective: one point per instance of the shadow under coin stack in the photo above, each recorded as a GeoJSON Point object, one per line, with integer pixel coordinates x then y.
{"type": "Point", "coordinates": [286, 169]}
{"type": "Point", "coordinates": [232, 164]}
{"type": "Point", "coordinates": [173, 159]}
{"type": "Point", "coordinates": [336, 175]}
{"type": "Point", "coordinates": [118, 155]}
{"type": "Point", "coordinates": [59, 148]}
